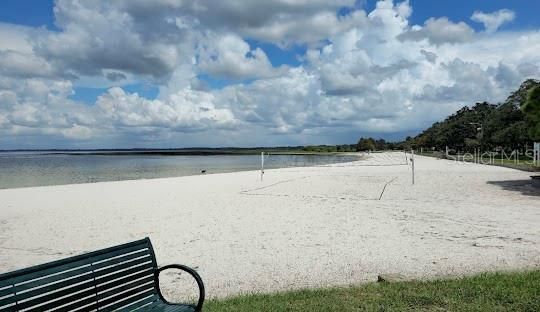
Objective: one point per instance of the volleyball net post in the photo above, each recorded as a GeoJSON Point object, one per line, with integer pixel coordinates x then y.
{"type": "Point", "coordinates": [262, 165]}
{"type": "Point", "coordinates": [412, 165]}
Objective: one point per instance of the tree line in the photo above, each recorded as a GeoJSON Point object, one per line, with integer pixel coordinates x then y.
{"type": "Point", "coordinates": [513, 124]}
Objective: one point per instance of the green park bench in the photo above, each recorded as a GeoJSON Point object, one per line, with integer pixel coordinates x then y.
{"type": "Point", "coordinates": [120, 278]}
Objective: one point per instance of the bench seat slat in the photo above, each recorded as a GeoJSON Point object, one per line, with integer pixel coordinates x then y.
{"type": "Point", "coordinates": [137, 306]}
{"type": "Point", "coordinates": [160, 306]}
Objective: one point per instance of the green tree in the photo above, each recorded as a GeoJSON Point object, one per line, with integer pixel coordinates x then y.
{"type": "Point", "coordinates": [365, 144]}
{"type": "Point", "coordinates": [381, 145]}
{"type": "Point", "coordinates": [531, 108]}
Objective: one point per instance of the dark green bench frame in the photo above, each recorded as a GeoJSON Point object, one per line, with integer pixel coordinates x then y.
{"type": "Point", "coordinates": [120, 278]}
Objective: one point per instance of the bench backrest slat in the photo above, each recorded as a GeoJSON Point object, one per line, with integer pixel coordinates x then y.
{"type": "Point", "coordinates": [68, 263]}
{"type": "Point", "coordinates": [113, 277]}
{"type": "Point", "coordinates": [88, 304]}
{"type": "Point", "coordinates": [6, 291]}
{"type": "Point", "coordinates": [117, 304]}
{"type": "Point", "coordinates": [62, 284]}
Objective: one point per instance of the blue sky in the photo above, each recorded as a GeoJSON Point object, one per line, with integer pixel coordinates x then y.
{"type": "Point", "coordinates": [26, 12]}
{"type": "Point", "coordinates": [461, 10]}
{"type": "Point", "coordinates": [285, 73]}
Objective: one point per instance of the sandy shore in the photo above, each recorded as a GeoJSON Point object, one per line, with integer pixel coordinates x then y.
{"type": "Point", "coordinates": [300, 227]}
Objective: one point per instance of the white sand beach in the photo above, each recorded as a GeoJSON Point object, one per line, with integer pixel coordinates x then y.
{"type": "Point", "coordinates": [300, 227]}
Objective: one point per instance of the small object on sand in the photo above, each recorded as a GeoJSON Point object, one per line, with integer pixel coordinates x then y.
{"type": "Point", "coordinates": [391, 278]}
{"type": "Point", "coordinates": [203, 171]}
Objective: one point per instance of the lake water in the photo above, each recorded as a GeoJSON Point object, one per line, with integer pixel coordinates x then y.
{"type": "Point", "coordinates": [25, 169]}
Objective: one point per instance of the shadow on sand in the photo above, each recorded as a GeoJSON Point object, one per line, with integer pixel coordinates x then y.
{"type": "Point", "coordinates": [526, 187]}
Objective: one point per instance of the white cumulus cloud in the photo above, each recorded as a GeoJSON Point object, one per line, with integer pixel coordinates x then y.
{"type": "Point", "coordinates": [439, 31]}
{"type": "Point", "coordinates": [492, 21]}
{"type": "Point", "coordinates": [229, 56]}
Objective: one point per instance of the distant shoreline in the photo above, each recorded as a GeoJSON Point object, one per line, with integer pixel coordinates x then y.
{"type": "Point", "coordinates": [180, 152]}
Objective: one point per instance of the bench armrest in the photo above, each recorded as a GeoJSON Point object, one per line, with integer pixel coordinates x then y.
{"type": "Point", "coordinates": [192, 273]}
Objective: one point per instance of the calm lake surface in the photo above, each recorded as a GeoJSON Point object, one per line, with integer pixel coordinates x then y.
{"type": "Point", "coordinates": [25, 169]}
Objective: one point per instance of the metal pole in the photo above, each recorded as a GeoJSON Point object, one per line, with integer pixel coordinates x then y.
{"type": "Point", "coordinates": [536, 154]}
{"type": "Point", "coordinates": [412, 164]}
{"type": "Point", "coordinates": [406, 159]}
{"type": "Point", "coordinates": [262, 165]}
